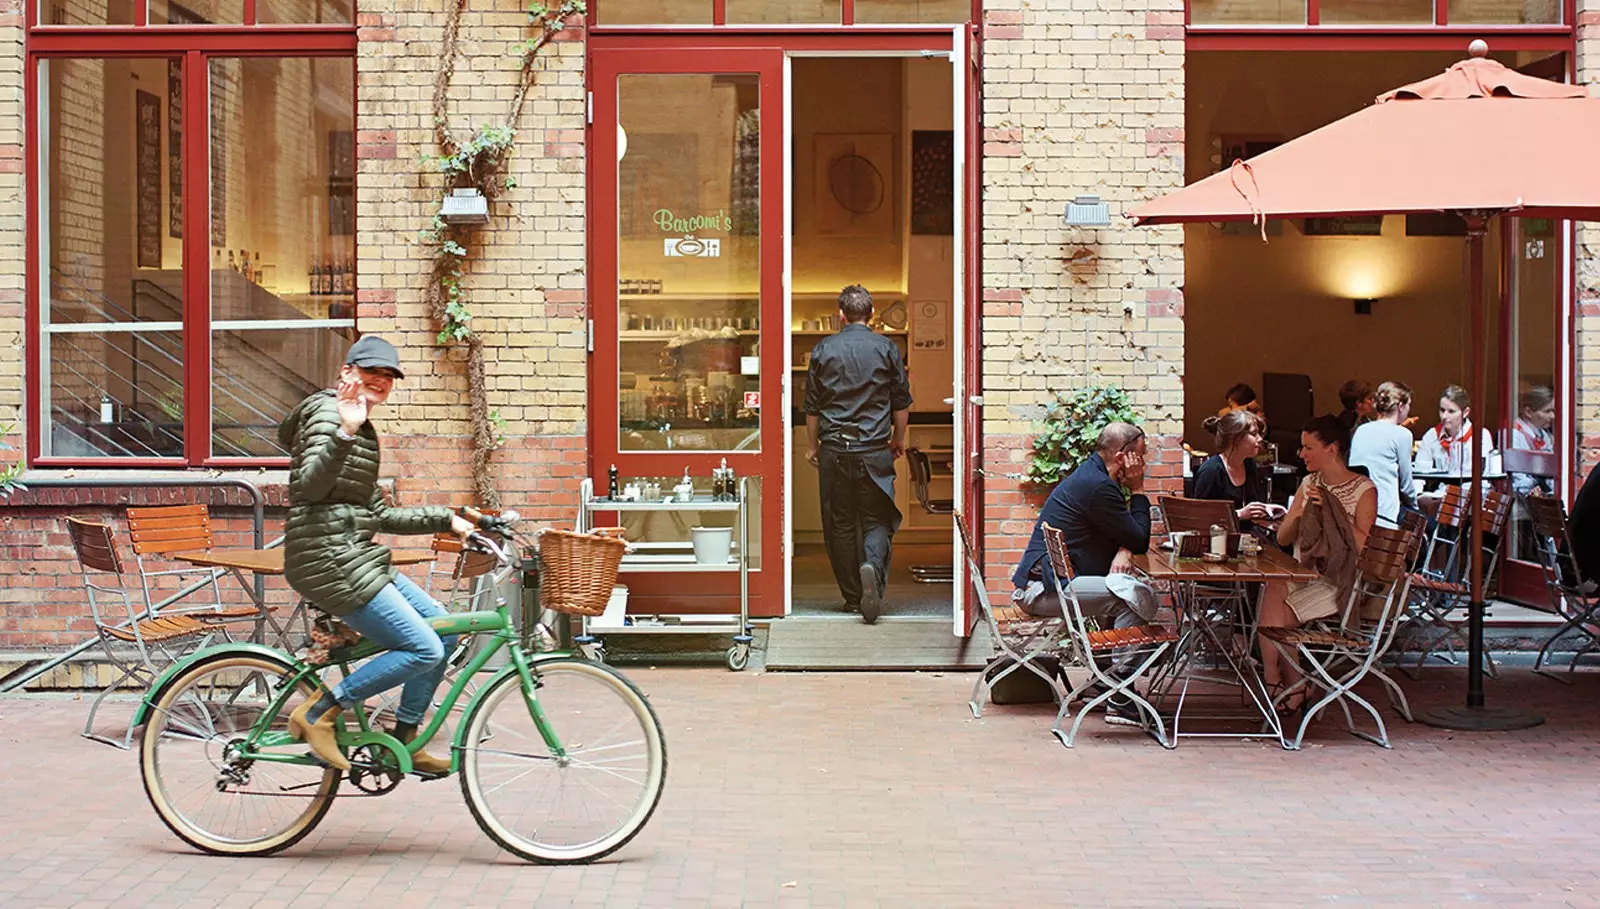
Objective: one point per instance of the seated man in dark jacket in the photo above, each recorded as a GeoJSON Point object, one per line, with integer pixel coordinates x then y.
{"type": "Point", "coordinates": [1583, 527]}
{"type": "Point", "coordinates": [1103, 530]}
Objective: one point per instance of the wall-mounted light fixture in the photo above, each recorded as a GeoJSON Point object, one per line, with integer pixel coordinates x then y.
{"type": "Point", "coordinates": [1364, 306]}
{"type": "Point", "coordinates": [464, 206]}
{"type": "Point", "coordinates": [1088, 211]}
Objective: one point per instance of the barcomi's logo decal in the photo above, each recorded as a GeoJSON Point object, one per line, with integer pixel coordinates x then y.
{"type": "Point", "coordinates": [693, 247]}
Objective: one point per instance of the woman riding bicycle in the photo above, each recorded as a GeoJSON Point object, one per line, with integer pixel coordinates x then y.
{"type": "Point", "coordinates": [335, 508]}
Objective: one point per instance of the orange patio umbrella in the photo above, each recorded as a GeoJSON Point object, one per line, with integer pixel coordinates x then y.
{"type": "Point", "coordinates": [1480, 140]}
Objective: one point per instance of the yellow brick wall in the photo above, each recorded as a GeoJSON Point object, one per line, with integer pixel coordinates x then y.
{"type": "Point", "coordinates": [1079, 97]}
{"type": "Point", "coordinates": [526, 269]}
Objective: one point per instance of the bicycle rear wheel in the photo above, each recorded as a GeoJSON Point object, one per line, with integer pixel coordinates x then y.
{"type": "Point", "coordinates": [207, 794]}
{"type": "Point", "coordinates": [574, 807]}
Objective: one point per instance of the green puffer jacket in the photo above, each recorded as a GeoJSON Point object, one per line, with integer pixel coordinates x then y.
{"type": "Point", "coordinates": [335, 508]}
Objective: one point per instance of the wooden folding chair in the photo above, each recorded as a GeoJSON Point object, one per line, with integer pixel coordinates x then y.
{"type": "Point", "coordinates": [1017, 636]}
{"type": "Point", "coordinates": [1182, 515]}
{"type": "Point", "coordinates": [1337, 656]}
{"type": "Point", "coordinates": [137, 643]}
{"type": "Point", "coordinates": [1103, 649]}
{"type": "Point", "coordinates": [1572, 596]}
{"type": "Point", "coordinates": [163, 531]}
{"type": "Point", "coordinates": [1436, 592]}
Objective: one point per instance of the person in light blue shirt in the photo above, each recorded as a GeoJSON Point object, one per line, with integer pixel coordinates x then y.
{"type": "Point", "coordinates": [1383, 447]}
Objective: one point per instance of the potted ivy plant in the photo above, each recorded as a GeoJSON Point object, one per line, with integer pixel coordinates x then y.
{"type": "Point", "coordinates": [1072, 425]}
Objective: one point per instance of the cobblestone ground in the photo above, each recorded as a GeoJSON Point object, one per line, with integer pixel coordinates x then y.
{"type": "Point", "coordinates": [881, 790]}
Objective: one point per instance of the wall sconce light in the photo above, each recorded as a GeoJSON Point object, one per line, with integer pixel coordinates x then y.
{"type": "Point", "coordinates": [1364, 306]}
{"type": "Point", "coordinates": [464, 206]}
{"type": "Point", "coordinates": [1088, 211]}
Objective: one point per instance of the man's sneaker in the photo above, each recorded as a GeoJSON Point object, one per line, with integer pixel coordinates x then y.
{"type": "Point", "coordinates": [1122, 712]}
{"type": "Point", "coordinates": [871, 594]}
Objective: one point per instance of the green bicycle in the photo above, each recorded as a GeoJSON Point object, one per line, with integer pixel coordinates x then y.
{"type": "Point", "coordinates": [561, 759]}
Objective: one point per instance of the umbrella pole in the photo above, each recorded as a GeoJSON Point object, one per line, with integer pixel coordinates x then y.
{"type": "Point", "coordinates": [1475, 715]}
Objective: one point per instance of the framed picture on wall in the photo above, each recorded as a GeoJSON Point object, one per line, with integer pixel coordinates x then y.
{"type": "Point", "coordinates": [854, 180]}
{"type": "Point", "coordinates": [175, 148]}
{"type": "Point", "coordinates": [1356, 226]}
{"type": "Point", "coordinates": [932, 182]}
{"type": "Point", "coordinates": [341, 183]}
{"type": "Point", "coordinates": [147, 164]}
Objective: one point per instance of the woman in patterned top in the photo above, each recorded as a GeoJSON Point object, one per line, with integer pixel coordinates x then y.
{"type": "Point", "coordinates": [1325, 448]}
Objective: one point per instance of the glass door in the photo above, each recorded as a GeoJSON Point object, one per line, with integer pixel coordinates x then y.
{"type": "Point", "coordinates": [686, 285]}
{"type": "Point", "coordinates": [1534, 433]}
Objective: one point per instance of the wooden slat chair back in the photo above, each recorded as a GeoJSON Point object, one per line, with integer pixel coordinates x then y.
{"type": "Point", "coordinates": [161, 532]}
{"type": "Point", "coordinates": [1338, 655]}
{"type": "Point", "coordinates": [1018, 637]}
{"type": "Point", "coordinates": [1138, 647]}
{"type": "Point", "coordinates": [137, 642]}
{"type": "Point", "coordinates": [1437, 590]}
{"type": "Point", "coordinates": [1196, 515]}
{"type": "Point", "coordinates": [1572, 596]}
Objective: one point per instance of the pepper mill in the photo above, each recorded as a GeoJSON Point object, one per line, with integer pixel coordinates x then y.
{"type": "Point", "coordinates": [611, 486]}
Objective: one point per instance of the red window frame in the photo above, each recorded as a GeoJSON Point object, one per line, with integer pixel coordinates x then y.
{"type": "Point", "coordinates": [1370, 36]}
{"type": "Point", "coordinates": [847, 17]}
{"type": "Point", "coordinates": [196, 46]}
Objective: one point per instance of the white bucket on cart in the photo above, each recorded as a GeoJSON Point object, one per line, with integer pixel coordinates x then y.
{"type": "Point", "coordinates": [712, 545]}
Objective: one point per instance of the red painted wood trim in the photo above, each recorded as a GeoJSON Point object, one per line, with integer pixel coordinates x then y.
{"type": "Point", "coordinates": [719, 12]}
{"type": "Point", "coordinates": [250, 12]}
{"type": "Point", "coordinates": [972, 414]}
{"type": "Point", "coordinates": [1441, 12]}
{"type": "Point", "coordinates": [34, 283]}
{"type": "Point", "coordinates": [1313, 12]}
{"type": "Point", "coordinates": [1337, 38]}
{"type": "Point", "coordinates": [845, 40]}
{"type": "Point", "coordinates": [226, 40]}
{"type": "Point", "coordinates": [847, 12]}
{"type": "Point", "coordinates": [132, 463]}
{"type": "Point", "coordinates": [196, 258]}
{"type": "Point", "coordinates": [141, 11]}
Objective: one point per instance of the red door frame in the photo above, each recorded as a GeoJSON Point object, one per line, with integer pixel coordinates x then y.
{"type": "Point", "coordinates": [605, 67]}
{"type": "Point", "coordinates": [195, 46]}
{"type": "Point", "coordinates": [617, 50]}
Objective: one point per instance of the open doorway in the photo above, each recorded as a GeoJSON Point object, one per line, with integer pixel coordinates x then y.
{"type": "Point", "coordinates": [873, 203]}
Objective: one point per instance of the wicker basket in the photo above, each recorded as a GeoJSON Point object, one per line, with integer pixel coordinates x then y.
{"type": "Point", "coordinates": [579, 569]}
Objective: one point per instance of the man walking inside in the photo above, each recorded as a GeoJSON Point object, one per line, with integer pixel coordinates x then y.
{"type": "Point", "coordinates": [858, 402]}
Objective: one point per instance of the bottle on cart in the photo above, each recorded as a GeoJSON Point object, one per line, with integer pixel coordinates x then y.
{"type": "Point", "coordinates": [731, 483]}
{"type": "Point", "coordinates": [611, 484]}
{"type": "Point", "coordinates": [716, 485]}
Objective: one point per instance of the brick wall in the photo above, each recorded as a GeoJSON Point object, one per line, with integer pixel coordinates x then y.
{"type": "Point", "coordinates": [526, 273]}
{"type": "Point", "coordinates": [1587, 305]}
{"type": "Point", "coordinates": [1078, 98]}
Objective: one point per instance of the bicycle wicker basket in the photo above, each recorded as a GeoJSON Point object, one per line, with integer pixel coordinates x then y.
{"type": "Point", "coordinates": [578, 570]}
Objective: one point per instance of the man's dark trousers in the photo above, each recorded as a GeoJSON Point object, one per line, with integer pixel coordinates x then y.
{"type": "Point", "coordinates": [859, 516]}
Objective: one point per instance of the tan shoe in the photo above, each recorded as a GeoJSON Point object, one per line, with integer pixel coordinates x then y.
{"type": "Point", "coordinates": [321, 735]}
{"type": "Point", "coordinates": [423, 762]}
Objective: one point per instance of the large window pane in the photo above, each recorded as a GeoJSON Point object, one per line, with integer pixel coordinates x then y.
{"type": "Point", "coordinates": [784, 12]}
{"type": "Point", "coordinates": [194, 12]}
{"type": "Point", "coordinates": [689, 262]}
{"type": "Point", "coordinates": [943, 12]}
{"type": "Point", "coordinates": [86, 12]}
{"type": "Point", "coordinates": [111, 254]}
{"type": "Point", "coordinates": [1249, 12]}
{"type": "Point", "coordinates": [653, 12]}
{"type": "Point", "coordinates": [296, 12]}
{"type": "Point", "coordinates": [1506, 12]}
{"type": "Point", "coordinates": [282, 239]}
{"type": "Point", "coordinates": [1376, 12]}
{"type": "Point", "coordinates": [258, 376]}
{"type": "Point", "coordinates": [1535, 419]}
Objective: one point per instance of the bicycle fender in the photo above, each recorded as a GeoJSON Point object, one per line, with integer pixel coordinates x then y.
{"type": "Point", "coordinates": [460, 739]}
{"type": "Point", "coordinates": [237, 648]}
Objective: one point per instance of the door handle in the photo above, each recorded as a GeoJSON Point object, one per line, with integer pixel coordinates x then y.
{"type": "Point", "coordinates": [973, 399]}
{"type": "Point", "coordinates": [951, 401]}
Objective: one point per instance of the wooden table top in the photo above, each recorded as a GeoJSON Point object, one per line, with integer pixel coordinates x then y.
{"type": "Point", "coordinates": [269, 561]}
{"type": "Point", "coordinates": [1270, 565]}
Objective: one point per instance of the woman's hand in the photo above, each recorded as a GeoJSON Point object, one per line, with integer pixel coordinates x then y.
{"type": "Point", "coordinates": [353, 406]}
{"type": "Point", "coordinates": [460, 526]}
{"type": "Point", "coordinates": [1314, 494]}
{"type": "Point", "coordinates": [1255, 511]}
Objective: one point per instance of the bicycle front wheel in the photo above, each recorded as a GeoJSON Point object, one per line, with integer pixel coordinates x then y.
{"type": "Point", "coordinates": [194, 770]}
{"type": "Point", "coordinates": [582, 800]}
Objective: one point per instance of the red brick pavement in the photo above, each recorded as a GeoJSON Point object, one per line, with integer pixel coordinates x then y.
{"type": "Point", "coordinates": [881, 790]}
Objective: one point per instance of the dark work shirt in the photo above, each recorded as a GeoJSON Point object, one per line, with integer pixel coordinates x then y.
{"type": "Point", "coordinates": [1211, 482]}
{"type": "Point", "coordinates": [1583, 527]}
{"type": "Point", "coordinates": [1088, 508]}
{"type": "Point", "coordinates": [855, 383]}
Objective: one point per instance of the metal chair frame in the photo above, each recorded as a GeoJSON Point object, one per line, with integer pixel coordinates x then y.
{"type": "Point", "coordinates": [163, 530]}
{"type": "Point", "coordinates": [921, 477]}
{"type": "Point", "coordinates": [138, 647]}
{"type": "Point", "coordinates": [1140, 647]}
{"type": "Point", "coordinates": [1339, 655]}
{"type": "Point", "coordinates": [1436, 592]}
{"type": "Point", "coordinates": [1016, 635]}
{"type": "Point", "coordinates": [1571, 596]}
{"type": "Point", "coordinates": [1198, 516]}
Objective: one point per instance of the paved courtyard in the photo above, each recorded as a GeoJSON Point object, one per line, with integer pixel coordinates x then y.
{"type": "Point", "coordinates": [881, 790]}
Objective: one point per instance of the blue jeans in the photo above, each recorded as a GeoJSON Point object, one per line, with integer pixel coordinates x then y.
{"type": "Point", "coordinates": [396, 619]}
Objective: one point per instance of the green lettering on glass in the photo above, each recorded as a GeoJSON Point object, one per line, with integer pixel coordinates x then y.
{"type": "Point", "coordinates": [672, 224]}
